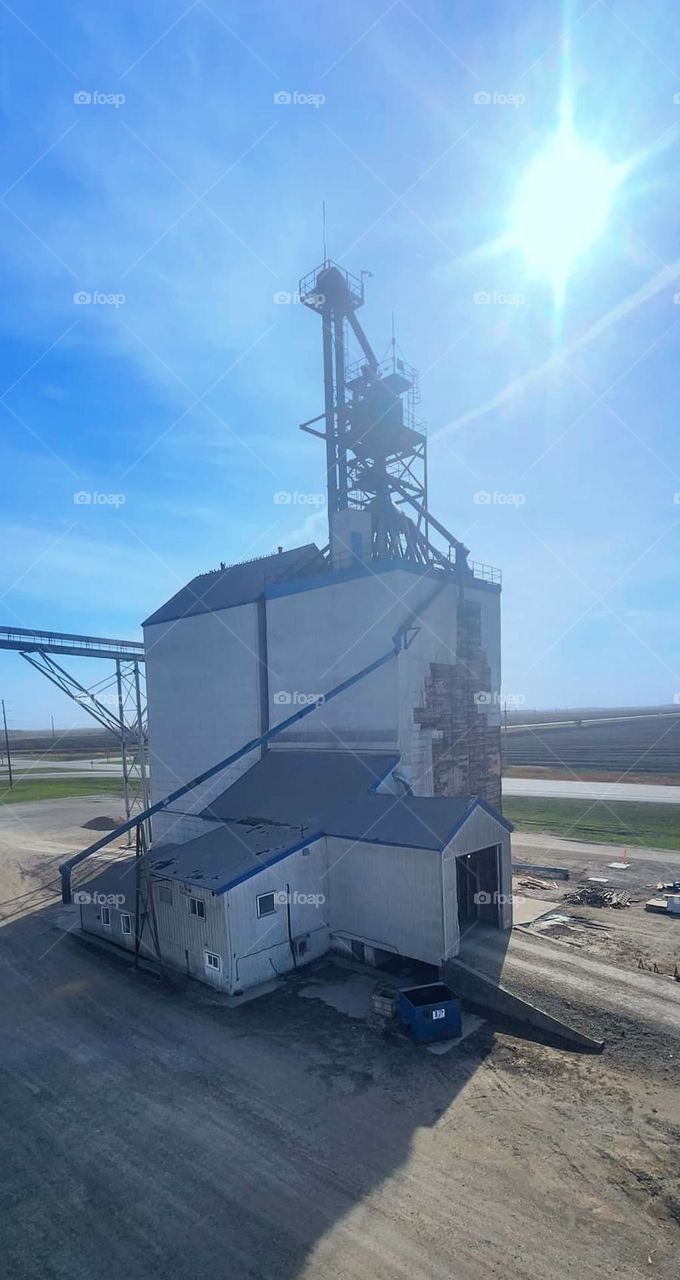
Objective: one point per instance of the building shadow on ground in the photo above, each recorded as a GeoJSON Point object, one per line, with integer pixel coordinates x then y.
{"type": "Point", "coordinates": [155, 1132]}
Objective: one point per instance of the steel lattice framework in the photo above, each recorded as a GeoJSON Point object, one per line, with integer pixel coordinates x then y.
{"type": "Point", "coordinates": [376, 445]}
{"type": "Point", "coordinates": [116, 701]}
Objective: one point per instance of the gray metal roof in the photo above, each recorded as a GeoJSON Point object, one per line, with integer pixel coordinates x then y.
{"type": "Point", "coordinates": [227, 854]}
{"type": "Point", "coordinates": [117, 878]}
{"type": "Point", "coordinates": [301, 786]}
{"type": "Point", "coordinates": [333, 792]}
{"type": "Point", "coordinates": [237, 583]}
{"type": "Point", "coordinates": [287, 800]}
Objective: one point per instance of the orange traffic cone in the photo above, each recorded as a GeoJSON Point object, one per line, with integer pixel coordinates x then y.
{"type": "Point", "coordinates": [625, 857]}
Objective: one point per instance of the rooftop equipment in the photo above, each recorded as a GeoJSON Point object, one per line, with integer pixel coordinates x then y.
{"type": "Point", "coordinates": [376, 446]}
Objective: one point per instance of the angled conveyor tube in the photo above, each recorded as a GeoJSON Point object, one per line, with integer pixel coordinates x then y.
{"type": "Point", "coordinates": [67, 867]}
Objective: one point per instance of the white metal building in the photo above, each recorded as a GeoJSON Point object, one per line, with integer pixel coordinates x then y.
{"type": "Point", "coordinates": [308, 852]}
{"type": "Point", "coordinates": [237, 650]}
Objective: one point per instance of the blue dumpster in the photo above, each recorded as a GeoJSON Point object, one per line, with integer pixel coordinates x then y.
{"type": "Point", "coordinates": [430, 1013]}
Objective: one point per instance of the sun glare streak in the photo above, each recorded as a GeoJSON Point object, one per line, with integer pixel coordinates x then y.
{"type": "Point", "coordinates": [561, 207]}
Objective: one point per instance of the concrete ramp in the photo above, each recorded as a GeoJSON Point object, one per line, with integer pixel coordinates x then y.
{"type": "Point", "coordinates": [484, 995]}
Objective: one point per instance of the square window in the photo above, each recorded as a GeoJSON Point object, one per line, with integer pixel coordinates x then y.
{"type": "Point", "coordinates": [165, 894]}
{"type": "Point", "coordinates": [196, 908]}
{"type": "Point", "coordinates": [213, 961]}
{"type": "Point", "coordinates": [125, 923]}
{"type": "Point", "coordinates": [266, 905]}
{"type": "Point", "coordinates": [106, 917]}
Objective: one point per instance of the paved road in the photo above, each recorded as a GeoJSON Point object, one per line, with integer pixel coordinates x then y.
{"type": "Point", "coordinates": [526, 845]}
{"type": "Point", "coordinates": [41, 767]}
{"type": "Point", "coordinates": [568, 789]}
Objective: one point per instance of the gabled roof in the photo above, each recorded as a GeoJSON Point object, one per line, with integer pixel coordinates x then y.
{"type": "Point", "coordinates": [334, 792]}
{"type": "Point", "coordinates": [237, 583]}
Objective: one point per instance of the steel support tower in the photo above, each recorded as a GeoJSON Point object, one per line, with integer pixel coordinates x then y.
{"type": "Point", "coordinates": [376, 446]}
{"type": "Point", "coordinates": [117, 701]}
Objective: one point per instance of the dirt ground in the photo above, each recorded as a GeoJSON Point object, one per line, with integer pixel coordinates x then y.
{"type": "Point", "coordinates": [160, 1134]}
{"type": "Point", "coordinates": [629, 937]}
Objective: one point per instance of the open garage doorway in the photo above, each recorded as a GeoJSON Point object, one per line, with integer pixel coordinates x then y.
{"type": "Point", "coordinates": [478, 888]}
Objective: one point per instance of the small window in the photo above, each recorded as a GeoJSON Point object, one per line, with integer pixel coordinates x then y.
{"type": "Point", "coordinates": [125, 923]}
{"type": "Point", "coordinates": [165, 894]}
{"type": "Point", "coordinates": [213, 962]}
{"type": "Point", "coordinates": [196, 908]}
{"type": "Point", "coordinates": [265, 905]}
{"type": "Point", "coordinates": [106, 917]}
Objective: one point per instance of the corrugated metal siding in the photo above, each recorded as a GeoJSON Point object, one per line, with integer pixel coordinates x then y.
{"type": "Point", "coordinates": [90, 918]}
{"type": "Point", "coordinates": [185, 938]}
{"type": "Point", "coordinates": [260, 948]}
{"type": "Point", "coordinates": [203, 691]}
{"type": "Point", "coordinates": [479, 832]}
{"type": "Point", "coordinates": [387, 896]}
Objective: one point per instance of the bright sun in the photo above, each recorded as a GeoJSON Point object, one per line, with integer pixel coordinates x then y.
{"type": "Point", "coordinates": [561, 207]}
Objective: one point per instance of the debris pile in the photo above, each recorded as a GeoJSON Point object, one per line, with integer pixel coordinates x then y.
{"type": "Point", "coordinates": [590, 895]}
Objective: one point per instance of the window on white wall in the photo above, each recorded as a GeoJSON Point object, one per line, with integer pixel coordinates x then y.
{"type": "Point", "coordinates": [196, 908]}
{"type": "Point", "coordinates": [125, 923]}
{"type": "Point", "coordinates": [165, 894]}
{"type": "Point", "coordinates": [266, 905]}
{"type": "Point", "coordinates": [106, 917]}
{"type": "Point", "coordinates": [213, 962]}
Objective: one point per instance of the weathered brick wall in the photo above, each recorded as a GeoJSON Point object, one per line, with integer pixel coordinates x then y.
{"type": "Point", "coordinates": [466, 747]}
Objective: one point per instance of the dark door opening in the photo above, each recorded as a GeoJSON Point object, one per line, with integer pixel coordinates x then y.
{"type": "Point", "coordinates": [477, 883]}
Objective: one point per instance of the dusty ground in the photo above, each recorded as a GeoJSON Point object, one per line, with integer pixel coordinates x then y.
{"type": "Point", "coordinates": [627, 937]}
{"type": "Point", "coordinates": [155, 1134]}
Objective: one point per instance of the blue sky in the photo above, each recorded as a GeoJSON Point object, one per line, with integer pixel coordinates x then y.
{"type": "Point", "coordinates": [191, 192]}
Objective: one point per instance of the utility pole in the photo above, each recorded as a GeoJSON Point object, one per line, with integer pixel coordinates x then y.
{"type": "Point", "coordinates": [9, 758]}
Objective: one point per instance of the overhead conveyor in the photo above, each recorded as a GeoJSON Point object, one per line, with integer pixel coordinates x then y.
{"type": "Point", "coordinates": [401, 640]}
